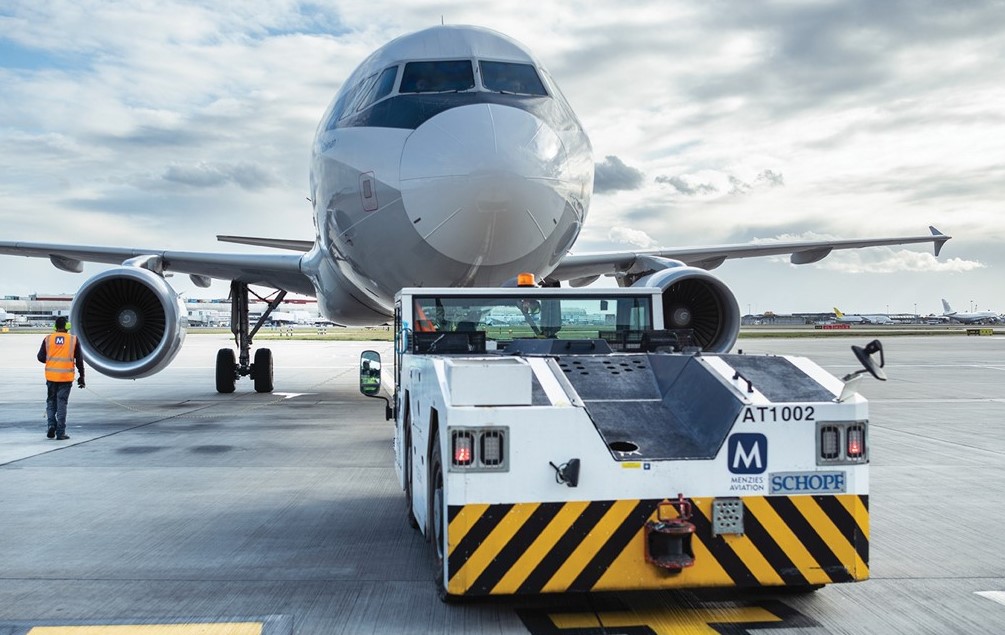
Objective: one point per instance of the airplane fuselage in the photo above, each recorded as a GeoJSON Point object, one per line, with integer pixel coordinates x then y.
{"type": "Point", "coordinates": [450, 158]}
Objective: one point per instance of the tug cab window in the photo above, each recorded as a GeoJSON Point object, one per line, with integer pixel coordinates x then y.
{"type": "Point", "coordinates": [437, 77]}
{"type": "Point", "coordinates": [507, 77]}
{"type": "Point", "coordinates": [506, 317]}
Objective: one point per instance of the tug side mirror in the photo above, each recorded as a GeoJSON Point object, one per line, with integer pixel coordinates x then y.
{"type": "Point", "coordinates": [865, 357]}
{"type": "Point", "coordinates": [369, 379]}
{"type": "Point", "coordinates": [369, 373]}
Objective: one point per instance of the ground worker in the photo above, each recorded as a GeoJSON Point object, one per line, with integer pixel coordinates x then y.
{"type": "Point", "coordinates": [60, 351]}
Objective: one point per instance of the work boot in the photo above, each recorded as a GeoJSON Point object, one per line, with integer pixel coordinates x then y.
{"type": "Point", "coordinates": [63, 437]}
{"type": "Point", "coordinates": [50, 433]}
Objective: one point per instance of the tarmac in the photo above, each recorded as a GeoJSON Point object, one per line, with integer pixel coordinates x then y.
{"type": "Point", "coordinates": [174, 509]}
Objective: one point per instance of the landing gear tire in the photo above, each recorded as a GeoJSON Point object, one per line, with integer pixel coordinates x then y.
{"type": "Point", "coordinates": [261, 370]}
{"type": "Point", "coordinates": [226, 371]}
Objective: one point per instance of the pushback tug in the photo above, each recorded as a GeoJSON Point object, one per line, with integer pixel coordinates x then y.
{"type": "Point", "coordinates": [551, 440]}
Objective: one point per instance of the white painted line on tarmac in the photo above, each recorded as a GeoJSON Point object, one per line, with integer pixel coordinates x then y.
{"type": "Point", "coordinates": [997, 596]}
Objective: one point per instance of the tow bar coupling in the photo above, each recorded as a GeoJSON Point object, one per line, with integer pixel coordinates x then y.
{"type": "Point", "coordinates": [668, 538]}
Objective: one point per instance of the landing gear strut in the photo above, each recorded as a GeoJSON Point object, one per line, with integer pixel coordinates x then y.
{"type": "Point", "coordinates": [228, 369]}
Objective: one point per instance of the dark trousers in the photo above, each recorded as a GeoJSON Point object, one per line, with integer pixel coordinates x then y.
{"type": "Point", "coordinates": [58, 393]}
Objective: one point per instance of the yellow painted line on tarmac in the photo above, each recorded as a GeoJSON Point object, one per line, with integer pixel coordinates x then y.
{"type": "Point", "coordinates": [667, 620]}
{"type": "Point", "coordinates": [218, 628]}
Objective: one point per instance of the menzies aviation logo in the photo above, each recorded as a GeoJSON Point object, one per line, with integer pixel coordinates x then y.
{"type": "Point", "coordinates": [748, 453]}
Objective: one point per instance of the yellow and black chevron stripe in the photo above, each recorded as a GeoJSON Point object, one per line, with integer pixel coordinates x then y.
{"type": "Point", "coordinates": [599, 546]}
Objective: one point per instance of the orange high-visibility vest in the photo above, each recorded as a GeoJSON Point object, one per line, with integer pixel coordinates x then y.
{"type": "Point", "coordinates": [59, 348]}
{"type": "Point", "coordinates": [422, 323]}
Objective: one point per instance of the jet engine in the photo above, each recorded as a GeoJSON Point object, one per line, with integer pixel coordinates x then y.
{"type": "Point", "coordinates": [695, 299]}
{"type": "Point", "coordinates": [130, 322]}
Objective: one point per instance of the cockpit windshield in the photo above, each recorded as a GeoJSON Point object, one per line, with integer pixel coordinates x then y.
{"type": "Point", "coordinates": [437, 77]}
{"type": "Point", "coordinates": [507, 77]}
{"type": "Point", "coordinates": [510, 317]}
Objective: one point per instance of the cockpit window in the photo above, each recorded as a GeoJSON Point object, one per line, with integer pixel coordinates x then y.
{"type": "Point", "coordinates": [360, 95]}
{"type": "Point", "coordinates": [507, 77]}
{"type": "Point", "coordinates": [385, 83]}
{"type": "Point", "coordinates": [437, 77]}
{"type": "Point", "coordinates": [339, 110]}
{"type": "Point", "coordinates": [379, 89]}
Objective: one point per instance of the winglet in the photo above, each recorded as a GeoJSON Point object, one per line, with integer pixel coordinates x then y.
{"type": "Point", "coordinates": [940, 241]}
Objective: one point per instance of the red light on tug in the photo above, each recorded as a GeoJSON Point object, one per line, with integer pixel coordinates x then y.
{"type": "Point", "coordinates": [464, 449]}
{"type": "Point", "coordinates": [856, 442]}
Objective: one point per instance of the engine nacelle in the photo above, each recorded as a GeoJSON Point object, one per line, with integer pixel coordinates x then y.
{"type": "Point", "coordinates": [695, 299]}
{"type": "Point", "coordinates": [130, 322]}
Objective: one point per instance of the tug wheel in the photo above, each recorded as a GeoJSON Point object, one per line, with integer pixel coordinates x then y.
{"type": "Point", "coordinates": [438, 530]}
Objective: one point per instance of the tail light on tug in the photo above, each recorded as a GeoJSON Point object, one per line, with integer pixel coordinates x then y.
{"type": "Point", "coordinates": [842, 443]}
{"type": "Point", "coordinates": [479, 449]}
{"type": "Point", "coordinates": [463, 448]}
{"type": "Point", "coordinates": [856, 441]}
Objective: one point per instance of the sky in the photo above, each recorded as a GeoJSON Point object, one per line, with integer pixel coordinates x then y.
{"type": "Point", "coordinates": [162, 124]}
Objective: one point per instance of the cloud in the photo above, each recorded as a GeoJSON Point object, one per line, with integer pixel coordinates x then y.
{"type": "Point", "coordinates": [770, 178]}
{"type": "Point", "coordinates": [628, 236]}
{"type": "Point", "coordinates": [887, 260]}
{"type": "Point", "coordinates": [736, 186]}
{"type": "Point", "coordinates": [245, 175]}
{"type": "Point", "coordinates": [683, 186]}
{"type": "Point", "coordinates": [613, 175]}
{"type": "Point", "coordinates": [713, 183]}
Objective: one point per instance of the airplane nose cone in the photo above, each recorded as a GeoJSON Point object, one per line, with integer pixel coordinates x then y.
{"type": "Point", "coordinates": [483, 184]}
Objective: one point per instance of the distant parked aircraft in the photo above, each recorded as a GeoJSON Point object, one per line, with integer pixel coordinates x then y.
{"type": "Point", "coordinates": [861, 319]}
{"type": "Point", "coordinates": [969, 318]}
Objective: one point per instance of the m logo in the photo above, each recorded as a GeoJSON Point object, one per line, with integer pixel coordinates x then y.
{"type": "Point", "coordinates": [748, 453]}
{"type": "Point", "coordinates": [60, 340]}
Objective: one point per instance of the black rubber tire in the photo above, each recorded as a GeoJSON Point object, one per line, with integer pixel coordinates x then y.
{"type": "Point", "coordinates": [226, 371]}
{"type": "Point", "coordinates": [407, 449]}
{"type": "Point", "coordinates": [437, 528]}
{"type": "Point", "coordinates": [261, 370]}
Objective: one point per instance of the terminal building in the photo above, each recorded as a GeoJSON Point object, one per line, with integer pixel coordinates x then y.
{"type": "Point", "coordinates": [40, 311]}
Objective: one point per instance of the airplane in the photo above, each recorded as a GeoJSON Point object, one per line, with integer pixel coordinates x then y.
{"type": "Point", "coordinates": [861, 319]}
{"type": "Point", "coordinates": [448, 157]}
{"type": "Point", "coordinates": [969, 318]}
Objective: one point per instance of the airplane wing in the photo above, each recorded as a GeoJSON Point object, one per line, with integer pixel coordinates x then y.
{"type": "Point", "coordinates": [582, 269]}
{"type": "Point", "coordinates": [279, 271]}
{"type": "Point", "coordinates": [302, 246]}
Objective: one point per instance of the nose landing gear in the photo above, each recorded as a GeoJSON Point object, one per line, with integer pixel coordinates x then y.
{"type": "Point", "coordinates": [229, 369]}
